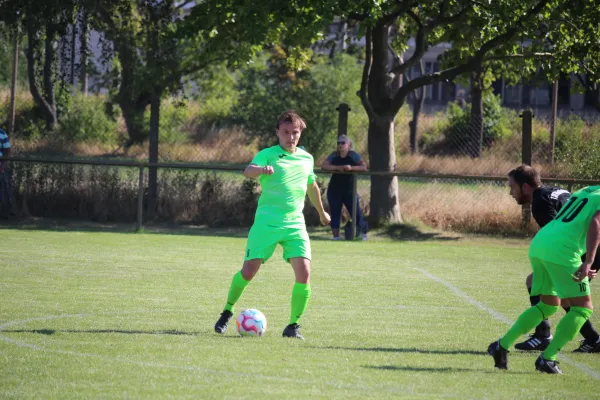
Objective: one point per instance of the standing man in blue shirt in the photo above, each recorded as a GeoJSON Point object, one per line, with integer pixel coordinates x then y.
{"type": "Point", "coordinates": [339, 191]}
{"type": "Point", "coordinates": [6, 195]}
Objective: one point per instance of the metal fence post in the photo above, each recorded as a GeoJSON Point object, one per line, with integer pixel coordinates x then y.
{"type": "Point", "coordinates": [343, 110]}
{"type": "Point", "coordinates": [140, 205]}
{"type": "Point", "coordinates": [354, 208]}
{"type": "Point", "coordinates": [526, 158]}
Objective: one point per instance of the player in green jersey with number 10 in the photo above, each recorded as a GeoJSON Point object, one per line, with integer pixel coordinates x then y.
{"type": "Point", "coordinates": [286, 176]}
{"type": "Point", "coordinates": [558, 273]}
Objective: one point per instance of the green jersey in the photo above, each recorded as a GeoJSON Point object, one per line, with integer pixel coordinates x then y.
{"type": "Point", "coordinates": [283, 193]}
{"type": "Point", "coordinates": [563, 240]}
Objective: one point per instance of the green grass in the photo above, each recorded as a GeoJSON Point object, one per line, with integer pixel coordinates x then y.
{"type": "Point", "coordinates": [118, 315]}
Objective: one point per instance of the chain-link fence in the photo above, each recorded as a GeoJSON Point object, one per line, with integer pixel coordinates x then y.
{"type": "Point", "coordinates": [445, 143]}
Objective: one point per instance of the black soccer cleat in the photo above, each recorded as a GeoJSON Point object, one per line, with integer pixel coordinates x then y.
{"type": "Point", "coordinates": [547, 366]}
{"type": "Point", "coordinates": [588, 347]}
{"type": "Point", "coordinates": [221, 325]}
{"type": "Point", "coordinates": [500, 355]}
{"type": "Point", "coordinates": [292, 331]}
{"type": "Point", "coordinates": [534, 343]}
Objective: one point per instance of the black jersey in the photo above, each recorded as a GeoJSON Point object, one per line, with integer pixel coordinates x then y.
{"type": "Point", "coordinates": [547, 201]}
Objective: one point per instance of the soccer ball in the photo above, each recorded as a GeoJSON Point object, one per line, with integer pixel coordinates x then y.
{"type": "Point", "coordinates": [251, 323]}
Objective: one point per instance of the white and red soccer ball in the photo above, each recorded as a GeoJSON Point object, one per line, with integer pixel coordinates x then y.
{"type": "Point", "coordinates": [251, 322]}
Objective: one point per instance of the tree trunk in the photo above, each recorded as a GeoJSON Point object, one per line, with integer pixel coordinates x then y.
{"type": "Point", "coordinates": [385, 206]}
{"type": "Point", "coordinates": [48, 109]}
{"type": "Point", "coordinates": [133, 105]}
{"type": "Point", "coordinates": [414, 124]}
{"type": "Point", "coordinates": [133, 114]}
{"type": "Point", "coordinates": [73, 53]}
{"type": "Point", "coordinates": [13, 86]}
{"type": "Point", "coordinates": [475, 143]}
{"type": "Point", "coordinates": [48, 74]}
{"type": "Point", "coordinates": [153, 155]}
{"type": "Point", "coordinates": [84, 40]}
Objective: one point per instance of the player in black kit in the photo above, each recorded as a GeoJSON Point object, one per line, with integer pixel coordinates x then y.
{"type": "Point", "coordinates": [526, 188]}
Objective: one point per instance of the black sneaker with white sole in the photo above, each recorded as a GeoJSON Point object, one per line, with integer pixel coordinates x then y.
{"type": "Point", "coordinates": [500, 355]}
{"type": "Point", "coordinates": [547, 366]}
{"type": "Point", "coordinates": [587, 347]}
{"type": "Point", "coordinates": [221, 325]}
{"type": "Point", "coordinates": [292, 331]}
{"type": "Point", "coordinates": [534, 343]}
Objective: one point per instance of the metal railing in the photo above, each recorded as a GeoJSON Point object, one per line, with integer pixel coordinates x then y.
{"type": "Point", "coordinates": [142, 166]}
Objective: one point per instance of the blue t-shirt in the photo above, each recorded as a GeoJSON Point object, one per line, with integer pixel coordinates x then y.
{"type": "Point", "coordinates": [4, 142]}
{"type": "Point", "coordinates": [343, 182]}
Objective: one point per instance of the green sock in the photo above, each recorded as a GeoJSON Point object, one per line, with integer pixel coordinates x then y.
{"type": "Point", "coordinates": [300, 296]}
{"type": "Point", "coordinates": [238, 284]}
{"type": "Point", "coordinates": [526, 322]}
{"type": "Point", "coordinates": [566, 330]}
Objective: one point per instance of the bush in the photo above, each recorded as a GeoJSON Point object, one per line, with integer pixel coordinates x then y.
{"type": "Point", "coordinates": [86, 120]}
{"type": "Point", "coordinates": [216, 94]}
{"type": "Point", "coordinates": [578, 148]}
{"type": "Point", "coordinates": [497, 123]}
{"type": "Point", "coordinates": [28, 119]}
{"type": "Point", "coordinates": [314, 93]}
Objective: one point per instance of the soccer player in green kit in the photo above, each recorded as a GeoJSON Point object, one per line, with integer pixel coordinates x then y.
{"type": "Point", "coordinates": [286, 177]}
{"type": "Point", "coordinates": [555, 253]}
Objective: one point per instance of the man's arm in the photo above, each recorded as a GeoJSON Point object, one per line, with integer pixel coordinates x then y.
{"type": "Point", "coordinates": [592, 243]}
{"type": "Point", "coordinates": [328, 167]}
{"type": "Point", "coordinates": [252, 171]}
{"type": "Point", "coordinates": [314, 195]}
{"type": "Point", "coordinates": [360, 167]}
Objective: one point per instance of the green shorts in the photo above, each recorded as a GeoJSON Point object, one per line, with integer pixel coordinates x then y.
{"type": "Point", "coordinates": [263, 239]}
{"type": "Point", "coordinates": [557, 280]}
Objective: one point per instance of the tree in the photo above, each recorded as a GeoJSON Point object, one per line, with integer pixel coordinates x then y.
{"type": "Point", "coordinates": [428, 22]}
{"type": "Point", "coordinates": [44, 23]}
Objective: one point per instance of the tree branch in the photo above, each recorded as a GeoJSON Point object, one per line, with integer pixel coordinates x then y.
{"type": "Point", "coordinates": [420, 47]}
{"type": "Point", "coordinates": [511, 56]}
{"type": "Point", "coordinates": [362, 93]}
{"type": "Point", "coordinates": [357, 17]}
{"type": "Point", "coordinates": [510, 32]}
{"type": "Point", "coordinates": [185, 3]}
{"type": "Point", "coordinates": [402, 9]}
{"type": "Point", "coordinates": [449, 19]}
{"type": "Point", "coordinates": [429, 79]}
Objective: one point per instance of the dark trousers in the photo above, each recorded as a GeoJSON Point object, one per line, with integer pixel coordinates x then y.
{"type": "Point", "coordinates": [338, 199]}
{"type": "Point", "coordinates": [6, 194]}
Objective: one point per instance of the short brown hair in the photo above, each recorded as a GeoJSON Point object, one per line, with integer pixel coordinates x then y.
{"type": "Point", "coordinates": [291, 116]}
{"type": "Point", "coordinates": [524, 174]}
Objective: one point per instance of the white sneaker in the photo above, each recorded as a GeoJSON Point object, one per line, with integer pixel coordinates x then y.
{"type": "Point", "coordinates": [336, 238]}
{"type": "Point", "coordinates": [363, 236]}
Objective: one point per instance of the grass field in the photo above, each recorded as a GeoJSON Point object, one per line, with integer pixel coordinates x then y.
{"type": "Point", "coordinates": [88, 314]}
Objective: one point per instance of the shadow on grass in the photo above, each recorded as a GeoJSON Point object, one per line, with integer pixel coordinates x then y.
{"type": "Point", "coordinates": [409, 350]}
{"type": "Point", "coordinates": [398, 232]}
{"type": "Point", "coordinates": [443, 369]}
{"type": "Point", "coordinates": [412, 233]}
{"type": "Point", "coordinates": [161, 228]}
{"type": "Point", "coordinates": [68, 225]}
{"type": "Point", "coordinates": [120, 331]}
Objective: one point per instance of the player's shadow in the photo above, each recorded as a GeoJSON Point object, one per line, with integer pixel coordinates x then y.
{"type": "Point", "coordinates": [407, 232]}
{"type": "Point", "coordinates": [443, 369]}
{"type": "Point", "coordinates": [409, 350]}
{"type": "Point", "coordinates": [119, 331]}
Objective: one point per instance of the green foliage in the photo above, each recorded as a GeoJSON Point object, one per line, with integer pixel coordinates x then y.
{"type": "Point", "coordinates": [216, 93]}
{"type": "Point", "coordinates": [177, 118]}
{"type": "Point", "coordinates": [578, 148]}
{"type": "Point", "coordinates": [28, 122]}
{"type": "Point", "coordinates": [314, 92]}
{"type": "Point", "coordinates": [497, 122]}
{"type": "Point", "coordinates": [86, 120]}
